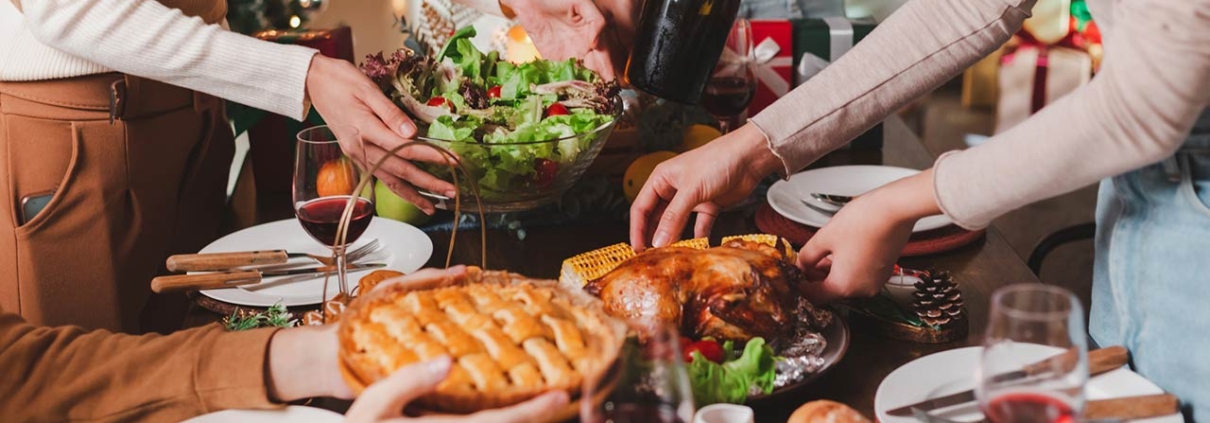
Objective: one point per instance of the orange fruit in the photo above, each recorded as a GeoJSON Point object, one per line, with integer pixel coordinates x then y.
{"type": "Point", "coordinates": [639, 170]}
{"type": "Point", "coordinates": [336, 177]}
{"type": "Point", "coordinates": [697, 135]}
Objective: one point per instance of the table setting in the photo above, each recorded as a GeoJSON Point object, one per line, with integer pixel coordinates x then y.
{"type": "Point", "coordinates": [711, 330]}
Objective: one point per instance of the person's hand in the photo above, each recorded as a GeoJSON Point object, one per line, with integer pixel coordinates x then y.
{"type": "Point", "coordinates": [302, 362]}
{"type": "Point", "coordinates": [344, 95]}
{"type": "Point", "coordinates": [858, 248]}
{"type": "Point", "coordinates": [563, 29]}
{"type": "Point", "coordinates": [384, 401]}
{"type": "Point", "coordinates": [720, 174]}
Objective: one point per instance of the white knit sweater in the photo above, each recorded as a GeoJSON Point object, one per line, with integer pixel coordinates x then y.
{"type": "Point", "coordinates": [65, 38]}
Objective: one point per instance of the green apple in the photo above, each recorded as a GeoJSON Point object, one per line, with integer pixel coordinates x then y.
{"type": "Point", "coordinates": [391, 206]}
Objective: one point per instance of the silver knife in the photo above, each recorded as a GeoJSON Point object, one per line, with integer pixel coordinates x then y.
{"type": "Point", "coordinates": [235, 278]}
{"type": "Point", "coordinates": [1099, 361]}
{"type": "Point", "coordinates": [925, 417]}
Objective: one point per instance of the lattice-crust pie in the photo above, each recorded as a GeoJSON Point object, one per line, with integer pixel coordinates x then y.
{"type": "Point", "coordinates": [511, 338]}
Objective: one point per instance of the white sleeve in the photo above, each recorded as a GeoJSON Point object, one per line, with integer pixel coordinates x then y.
{"type": "Point", "coordinates": [147, 39]}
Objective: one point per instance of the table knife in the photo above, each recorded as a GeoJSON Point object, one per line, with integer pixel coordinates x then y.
{"type": "Point", "coordinates": [1099, 361]}
{"type": "Point", "coordinates": [1112, 410]}
{"type": "Point", "coordinates": [235, 278]}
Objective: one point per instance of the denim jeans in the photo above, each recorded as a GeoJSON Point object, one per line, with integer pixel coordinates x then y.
{"type": "Point", "coordinates": [1151, 279]}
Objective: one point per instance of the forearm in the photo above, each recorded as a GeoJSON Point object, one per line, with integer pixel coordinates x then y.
{"type": "Point", "coordinates": [62, 374]}
{"type": "Point", "coordinates": [147, 39]}
{"type": "Point", "coordinates": [1152, 86]}
{"type": "Point", "coordinates": [920, 46]}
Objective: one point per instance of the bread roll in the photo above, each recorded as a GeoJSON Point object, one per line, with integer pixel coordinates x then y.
{"type": "Point", "coordinates": [824, 411]}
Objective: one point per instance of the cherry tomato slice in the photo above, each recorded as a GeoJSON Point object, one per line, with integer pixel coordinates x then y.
{"type": "Point", "coordinates": [709, 349]}
{"type": "Point", "coordinates": [557, 110]}
{"type": "Point", "coordinates": [493, 92]}
{"type": "Point", "coordinates": [438, 102]}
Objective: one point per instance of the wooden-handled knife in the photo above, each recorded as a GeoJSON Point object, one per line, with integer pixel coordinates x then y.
{"type": "Point", "coordinates": [224, 261]}
{"type": "Point", "coordinates": [1100, 361]}
{"type": "Point", "coordinates": [200, 281]}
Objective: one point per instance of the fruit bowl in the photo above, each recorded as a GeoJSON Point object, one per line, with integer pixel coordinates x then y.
{"type": "Point", "coordinates": [520, 176]}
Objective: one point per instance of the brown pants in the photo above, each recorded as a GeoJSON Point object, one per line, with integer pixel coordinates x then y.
{"type": "Point", "coordinates": [128, 192]}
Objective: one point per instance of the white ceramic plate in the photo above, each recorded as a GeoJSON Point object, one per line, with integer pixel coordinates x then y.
{"type": "Point", "coordinates": [290, 414]}
{"type": "Point", "coordinates": [953, 371]}
{"type": "Point", "coordinates": [785, 196]}
{"type": "Point", "coordinates": [404, 248]}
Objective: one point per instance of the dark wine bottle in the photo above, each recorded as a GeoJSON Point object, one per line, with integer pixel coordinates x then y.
{"type": "Point", "coordinates": [677, 44]}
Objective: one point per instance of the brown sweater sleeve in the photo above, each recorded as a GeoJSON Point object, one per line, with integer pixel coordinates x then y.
{"type": "Point", "coordinates": [917, 48]}
{"type": "Point", "coordinates": [69, 374]}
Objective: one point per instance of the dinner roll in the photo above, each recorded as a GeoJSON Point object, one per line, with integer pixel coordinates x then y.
{"type": "Point", "coordinates": [824, 411]}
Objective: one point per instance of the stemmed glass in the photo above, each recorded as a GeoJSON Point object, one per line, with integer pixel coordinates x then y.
{"type": "Point", "coordinates": [733, 83]}
{"type": "Point", "coordinates": [324, 180]}
{"type": "Point", "coordinates": [1029, 322]}
{"type": "Point", "coordinates": [648, 382]}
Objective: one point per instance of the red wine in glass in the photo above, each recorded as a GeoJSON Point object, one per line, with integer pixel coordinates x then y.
{"type": "Point", "coordinates": [728, 95]}
{"type": "Point", "coordinates": [321, 217]}
{"type": "Point", "coordinates": [641, 413]}
{"type": "Point", "coordinates": [1029, 407]}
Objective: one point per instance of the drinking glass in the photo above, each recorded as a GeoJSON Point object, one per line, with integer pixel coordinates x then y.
{"type": "Point", "coordinates": [1028, 323]}
{"type": "Point", "coordinates": [325, 176]}
{"type": "Point", "coordinates": [733, 83]}
{"type": "Point", "coordinates": [648, 382]}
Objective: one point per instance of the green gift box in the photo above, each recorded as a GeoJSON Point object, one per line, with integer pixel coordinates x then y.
{"type": "Point", "coordinates": [820, 41]}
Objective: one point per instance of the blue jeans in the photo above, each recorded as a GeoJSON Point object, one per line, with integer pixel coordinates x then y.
{"type": "Point", "coordinates": [1151, 279]}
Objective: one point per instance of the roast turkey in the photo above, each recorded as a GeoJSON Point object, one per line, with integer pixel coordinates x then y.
{"type": "Point", "coordinates": [735, 291]}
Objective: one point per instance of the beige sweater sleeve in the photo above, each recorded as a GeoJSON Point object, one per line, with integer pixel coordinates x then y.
{"type": "Point", "coordinates": [1152, 85]}
{"type": "Point", "coordinates": [920, 46]}
{"type": "Point", "coordinates": [69, 374]}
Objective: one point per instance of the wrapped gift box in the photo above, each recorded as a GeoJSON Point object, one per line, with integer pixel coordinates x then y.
{"type": "Point", "coordinates": [774, 51]}
{"type": "Point", "coordinates": [1032, 77]}
{"type": "Point", "coordinates": [819, 42]}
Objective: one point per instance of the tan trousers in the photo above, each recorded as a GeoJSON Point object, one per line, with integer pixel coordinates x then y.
{"type": "Point", "coordinates": [138, 170]}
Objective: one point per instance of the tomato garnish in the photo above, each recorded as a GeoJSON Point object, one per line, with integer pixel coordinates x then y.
{"type": "Point", "coordinates": [439, 101]}
{"type": "Point", "coordinates": [557, 110]}
{"type": "Point", "coordinates": [493, 92]}
{"type": "Point", "coordinates": [708, 348]}
{"type": "Point", "coordinates": [546, 171]}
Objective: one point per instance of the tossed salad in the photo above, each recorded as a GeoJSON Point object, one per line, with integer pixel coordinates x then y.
{"type": "Point", "coordinates": [720, 373]}
{"type": "Point", "coordinates": [494, 114]}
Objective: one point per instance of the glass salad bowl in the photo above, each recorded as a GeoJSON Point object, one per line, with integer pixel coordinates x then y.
{"type": "Point", "coordinates": [521, 176]}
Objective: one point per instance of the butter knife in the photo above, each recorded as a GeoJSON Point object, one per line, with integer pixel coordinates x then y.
{"type": "Point", "coordinates": [200, 281]}
{"type": "Point", "coordinates": [1100, 361]}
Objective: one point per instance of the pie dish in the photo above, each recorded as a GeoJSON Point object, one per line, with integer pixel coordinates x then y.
{"type": "Point", "coordinates": [511, 338]}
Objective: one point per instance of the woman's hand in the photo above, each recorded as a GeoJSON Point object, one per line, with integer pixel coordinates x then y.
{"type": "Point", "coordinates": [858, 248]}
{"type": "Point", "coordinates": [384, 401]}
{"type": "Point", "coordinates": [344, 95]}
{"type": "Point", "coordinates": [562, 29]}
{"type": "Point", "coordinates": [705, 180]}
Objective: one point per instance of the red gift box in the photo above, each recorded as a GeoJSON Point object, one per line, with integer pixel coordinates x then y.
{"type": "Point", "coordinates": [774, 53]}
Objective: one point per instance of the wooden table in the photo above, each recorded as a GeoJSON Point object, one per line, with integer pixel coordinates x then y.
{"type": "Point", "coordinates": [980, 268]}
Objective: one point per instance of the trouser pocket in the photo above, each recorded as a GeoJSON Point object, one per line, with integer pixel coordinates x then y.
{"type": "Point", "coordinates": [1195, 180]}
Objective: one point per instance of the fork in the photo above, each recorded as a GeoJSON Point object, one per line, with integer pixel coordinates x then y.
{"type": "Point", "coordinates": [225, 261]}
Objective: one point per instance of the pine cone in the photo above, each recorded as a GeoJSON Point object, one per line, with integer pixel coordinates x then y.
{"type": "Point", "coordinates": [938, 300]}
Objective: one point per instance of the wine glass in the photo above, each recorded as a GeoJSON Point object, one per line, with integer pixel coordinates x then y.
{"type": "Point", "coordinates": [1028, 323]}
{"type": "Point", "coordinates": [648, 382]}
{"type": "Point", "coordinates": [325, 177]}
{"type": "Point", "coordinates": [733, 83]}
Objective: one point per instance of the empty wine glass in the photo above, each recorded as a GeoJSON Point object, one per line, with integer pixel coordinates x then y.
{"type": "Point", "coordinates": [324, 180]}
{"type": "Point", "coordinates": [733, 83]}
{"type": "Point", "coordinates": [1028, 323]}
{"type": "Point", "coordinates": [648, 382]}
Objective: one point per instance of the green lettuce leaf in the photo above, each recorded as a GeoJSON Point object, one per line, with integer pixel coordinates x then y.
{"type": "Point", "coordinates": [730, 382]}
{"type": "Point", "coordinates": [446, 128]}
{"type": "Point", "coordinates": [450, 49]}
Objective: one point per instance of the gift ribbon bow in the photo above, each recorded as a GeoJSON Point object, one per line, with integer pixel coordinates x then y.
{"type": "Point", "coordinates": [840, 37]}
{"type": "Point", "coordinates": [765, 57]}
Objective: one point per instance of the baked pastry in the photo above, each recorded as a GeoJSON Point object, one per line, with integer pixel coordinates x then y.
{"type": "Point", "coordinates": [368, 282]}
{"type": "Point", "coordinates": [824, 411]}
{"type": "Point", "coordinates": [511, 338]}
